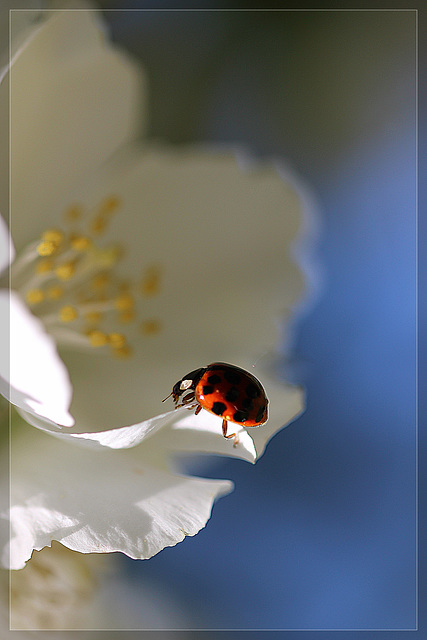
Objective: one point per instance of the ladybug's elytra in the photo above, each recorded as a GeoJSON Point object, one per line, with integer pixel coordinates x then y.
{"type": "Point", "coordinates": [226, 391]}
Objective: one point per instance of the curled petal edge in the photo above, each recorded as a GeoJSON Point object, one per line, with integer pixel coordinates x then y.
{"type": "Point", "coordinates": [32, 375]}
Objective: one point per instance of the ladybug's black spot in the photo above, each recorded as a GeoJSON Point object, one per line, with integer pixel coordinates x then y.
{"type": "Point", "coordinates": [233, 377]}
{"type": "Point", "coordinates": [260, 413]}
{"type": "Point", "coordinates": [207, 389]}
{"type": "Point", "coordinates": [214, 379]}
{"type": "Point", "coordinates": [218, 408]}
{"type": "Point", "coordinates": [232, 394]}
{"type": "Point", "coordinates": [247, 404]}
{"type": "Point", "coordinates": [240, 416]}
{"type": "Point", "coordinates": [252, 391]}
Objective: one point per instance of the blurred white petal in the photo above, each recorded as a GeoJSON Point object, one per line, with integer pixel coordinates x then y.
{"type": "Point", "coordinates": [7, 250]}
{"type": "Point", "coordinates": [32, 375]}
{"type": "Point", "coordinates": [75, 101]}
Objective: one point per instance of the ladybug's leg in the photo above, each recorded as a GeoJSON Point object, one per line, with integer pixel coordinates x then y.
{"type": "Point", "coordinates": [198, 410]}
{"type": "Point", "coordinates": [230, 435]}
{"type": "Point", "coordinates": [186, 400]}
{"type": "Point", "coordinates": [224, 428]}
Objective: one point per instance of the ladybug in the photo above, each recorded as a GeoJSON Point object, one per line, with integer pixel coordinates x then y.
{"type": "Point", "coordinates": [226, 391]}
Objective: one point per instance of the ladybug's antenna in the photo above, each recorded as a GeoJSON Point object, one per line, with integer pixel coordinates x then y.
{"type": "Point", "coordinates": [171, 393]}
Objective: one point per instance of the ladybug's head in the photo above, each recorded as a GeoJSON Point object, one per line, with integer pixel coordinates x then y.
{"type": "Point", "coordinates": [187, 383]}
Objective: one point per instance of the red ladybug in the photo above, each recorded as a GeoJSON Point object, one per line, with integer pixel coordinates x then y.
{"type": "Point", "coordinates": [226, 391]}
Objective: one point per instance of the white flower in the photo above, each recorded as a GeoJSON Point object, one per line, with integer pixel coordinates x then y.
{"type": "Point", "coordinates": [169, 259]}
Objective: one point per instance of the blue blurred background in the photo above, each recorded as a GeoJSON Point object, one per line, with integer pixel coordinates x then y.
{"type": "Point", "coordinates": [321, 533]}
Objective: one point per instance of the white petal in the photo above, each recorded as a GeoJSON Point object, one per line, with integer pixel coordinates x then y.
{"type": "Point", "coordinates": [32, 375]}
{"type": "Point", "coordinates": [7, 250]}
{"type": "Point", "coordinates": [224, 231]}
{"type": "Point", "coordinates": [74, 101]}
{"type": "Point", "coordinates": [222, 235]}
{"type": "Point", "coordinates": [119, 438]}
{"type": "Point", "coordinates": [203, 434]}
{"type": "Point", "coordinates": [100, 502]}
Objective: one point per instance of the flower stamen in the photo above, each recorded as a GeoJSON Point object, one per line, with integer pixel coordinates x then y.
{"type": "Point", "coordinates": [80, 243]}
{"type": "Point", "coordinates": [122, 352]}
{"type": "Point", "coordinates": [34, 296]}
{"type": "Point", "coordinates": [150, 327]}
{"type": "Point", "coordinates": [46, 248]}
{"type": "Point", "coordinates": [55, 292]}
{"type": "Point", "coordinates": [52, 240]}
{"type": "Point", "coordinates": [117, 340]}
{"type": "Point", "coordinates": [68, 313]}
{"type": "Point", "coordinates": [66, 270]}
{"type": "Point", "coordinates": [150, 282]}
{"type": "Point", "coordinates": [44, 266]}
{"type": "Point", "coordinates": [73, 213]}
{"type": "Point", "coordinates": [127, 316]}
{"type": "Point", "coordinates": [110, 205]}
{"type": "Point", "coordinates": [93, 317]}
{"type": "Point", "coordinates": [97, 338]}
{"type": "Point", "coordinates": [73, 268]}
{"type": "Point", "coordinates": [124, 302]}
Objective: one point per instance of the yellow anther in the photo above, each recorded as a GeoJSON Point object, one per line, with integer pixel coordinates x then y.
{"type": "Point", "coordinates": [66, 270]}
{"type": "Point", "coordinates": [122, 352]}
{"type": "Point", "coordinates": [44, 266]}
{"type": "Point", "coordinates": [106, 258]}
{"type": "Point", "coordinates": [109, 205]}
{"type": "Point", "coordinates": [55, 292]}
{"type": "Point", "coordinates": [150, 327]}
{"type": "Point", "coordinates": [53, 235]}
{"type": "Point", "coordinates": [100, 280]}
{"type": "Point", "coordinates": [80, 243]}
{"type": "Point", "coordinates": [117, 340]}
{"type": "Point", "coordinates": [74, 212]}
{"type": "Point", "coordinates": [99, 224]}
{"type": "Point", "coordinates": [68, 313]}
{"type": "Point", "coordinates": [93, 317]}
{"type": "Point", "coordinates": [34, 296]}
{"type": "Point", "coordinates": [127, 316]}
{"type": "Point", "coordinates": [47, 248]}
{"type": "Point", "coordinates": [97, 338]}
{"type": "Point", "coordinates": [124, 302]}
{"type": "Point", "coordinates": [150, 283]}
{"type": "Point", "coordinates": [124, 285]}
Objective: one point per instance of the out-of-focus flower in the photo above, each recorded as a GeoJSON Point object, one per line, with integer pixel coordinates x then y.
{"type": "Point", "coordinates": [138, 264]}
{"type": "Point", "coordinates": [61, 589]}
{"type": "Point", "coordinates": [54, 591]}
